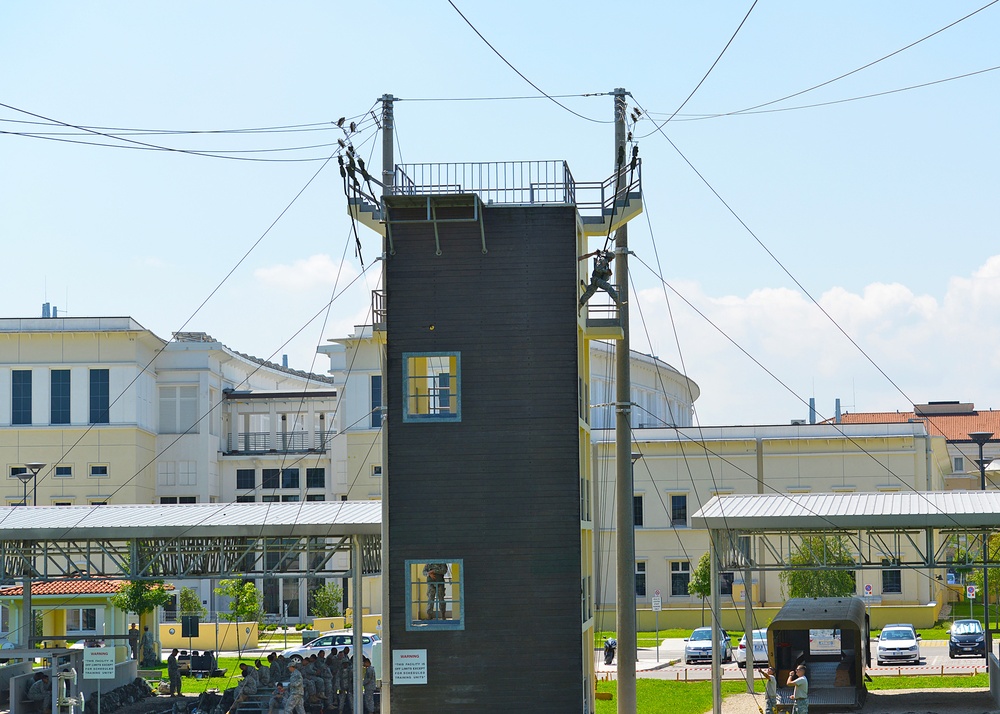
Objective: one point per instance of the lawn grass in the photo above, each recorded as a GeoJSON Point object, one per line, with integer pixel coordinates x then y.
{"type": "Point", "coordinates": [648, 639]}
{"type": "Point", "coordinates": [657, 696]}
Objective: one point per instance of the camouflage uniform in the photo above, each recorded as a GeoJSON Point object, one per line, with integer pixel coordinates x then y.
{"type": "Point", "coordinates": [435, 572]}
{"type": "Point", "coordinates": [294, 698]}
{"type": "Point", "coordinates": [599, 278]}
{"type": "Point", "coordinates": [345, 683]}
{"type": "Point", "coordinates": [369, 688]}
{"type": "Point", "coordinates": [277, 702]}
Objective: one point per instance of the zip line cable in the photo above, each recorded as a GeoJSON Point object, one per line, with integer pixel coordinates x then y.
{"type": "Point", "coordinates": [715, 63]}
{"type": "Point", "coordinates": [702, 117]}
{"type": "Point", "coordinates": [522, 76]}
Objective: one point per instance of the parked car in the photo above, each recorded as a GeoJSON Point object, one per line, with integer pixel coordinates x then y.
{"type": "Point", "coordinates": [898, 643]}
{"type": "Point", "coordinates": [698, 647]}
{"type": "Point", "coordinates": [759, 655]}
{"type": "Point", "coordinates": [328, 640]}
{"type": "Point", "coordinates": [966, 637]}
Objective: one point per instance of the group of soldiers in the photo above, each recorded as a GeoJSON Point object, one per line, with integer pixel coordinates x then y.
{"type": "Point", "coordinates": [318, 681]}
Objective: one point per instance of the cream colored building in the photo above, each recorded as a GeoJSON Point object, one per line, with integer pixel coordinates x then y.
{"type": "Point", "coordinates": [120, 415]}
{"type": "Point", "coordinates": [681, 469]}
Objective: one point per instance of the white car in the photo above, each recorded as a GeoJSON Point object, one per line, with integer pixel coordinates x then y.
{"type": "Point", "coordinates": [759, 655]}
{"type": "Point", "coordinates": [898, 643]}
{"type": "Point", "coordinates": [698, 647]}
{"type": "Point", "coordinates": [328, 640]}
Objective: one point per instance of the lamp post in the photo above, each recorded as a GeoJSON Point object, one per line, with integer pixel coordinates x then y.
{"type": "Point", "coordinates": [32, 472]}
{"type": "Point", "coordinates": [980, 438]}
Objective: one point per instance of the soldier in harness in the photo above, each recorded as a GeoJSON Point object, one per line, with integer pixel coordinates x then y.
{"type": "Point", "coordinates": [599, 278]}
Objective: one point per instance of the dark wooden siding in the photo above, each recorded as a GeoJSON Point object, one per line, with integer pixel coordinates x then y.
{"type": "Point", "coordinates": [500, 489]}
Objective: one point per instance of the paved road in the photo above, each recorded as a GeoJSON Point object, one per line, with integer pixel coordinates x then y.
{"type": "Point", "coordinates": [666, 662]}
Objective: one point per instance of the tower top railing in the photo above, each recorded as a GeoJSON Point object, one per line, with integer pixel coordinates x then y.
{"type": "Point", "coordinates": [515, 183]}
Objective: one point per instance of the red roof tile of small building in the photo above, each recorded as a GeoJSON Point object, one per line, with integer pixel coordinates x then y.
{"type": "Point", "coordinates": [72, 586]}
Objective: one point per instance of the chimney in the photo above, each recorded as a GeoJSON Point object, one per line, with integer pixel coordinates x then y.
{"type": "Point", "coordinates": [284, 360]}
{"type": "Point", "coordinates": [812, 410]}
{"type": "Point", "coordinates": [46, 310]}
{"type": "Point", "coordinates": [836, 411]}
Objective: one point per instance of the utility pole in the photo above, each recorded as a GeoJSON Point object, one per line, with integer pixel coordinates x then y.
{"type": "Point", "coordinates": [388, 174]}
{"type": "Point", "coordinates": [625, 493]}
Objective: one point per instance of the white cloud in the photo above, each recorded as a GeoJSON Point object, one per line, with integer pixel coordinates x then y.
{"type": "Point", "coordinates": [930, 349]}
{"type": "Point", "coordinates": [305, 274]}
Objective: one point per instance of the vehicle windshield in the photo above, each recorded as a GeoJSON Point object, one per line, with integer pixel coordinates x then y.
{"type": "Point", "coordinates": [896, 635]}
{"type": "Point", "coordinates": [701, 635]}
{"type": "Point", "coordinates": [967, 628]}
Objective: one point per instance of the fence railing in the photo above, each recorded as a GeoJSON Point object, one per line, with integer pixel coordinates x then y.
{"type": "Point", "coordinates": [522, 182]}
{"type": "Point", "coordinates": [260, 442]}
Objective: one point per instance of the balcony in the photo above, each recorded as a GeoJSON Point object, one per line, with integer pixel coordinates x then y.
{"type": "Point", "coordinates": [603, 205]}
{"type": "Point", "coordinates": [263, 442]}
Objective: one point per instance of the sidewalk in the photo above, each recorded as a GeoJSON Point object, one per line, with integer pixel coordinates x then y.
{"type": "Point", "coordinates": [646, 661]}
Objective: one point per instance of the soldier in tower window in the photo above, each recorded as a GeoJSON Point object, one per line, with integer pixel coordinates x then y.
{"type": "Point", "coordinates": [435, 574]}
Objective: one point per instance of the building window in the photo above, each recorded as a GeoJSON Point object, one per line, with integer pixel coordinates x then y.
{"type": "Point", "coordinates": [726, 584]}
{"type": "Point", "coordinates": [81, 619]}
{"type": "Point", "coordinates": [178, 409]}
{"type": "Point", "coordinates": [640, 579]}
{"type": "Point", "coordinates": [15, 470]}
{"type": "Point", "coordinates": [100, 396]}
{"type": "Point", "coordinates": [315, 497]}
{"type": "Point", "coordinates": [62, 503]}
{"type": "Point", "coordinates": [637, 510]}
{"type": "Point", "coordinates": [316, 478]}
{"type": "Point", "coordinates": [680, 576]}
{"type": "Point", "coordinates": [289, 478]}
{"type": "Point", "coordinates": [98, 502]}
{"type": "Point", "coordinates": [959, 465]}
{"type": "Point", "coordinates": [432, 386]}
{"type": "Point", "coordinates": [678, 510]}
{"type": "Point", "coordinates": [892, 580]}
{"type": "Point", "coordinates": [271, 478]}
{"type": "Point", "coordinates": [168, 500]}
{"type": "Point", "coordinates": [246, 478]}
{"type": "Point", "coordinates": [59, 396]}
{"type": "Point", "coordinates": [290, 498]}
{"type": "Point", "coordinates": [20, 397]}
{"type": "Point", "coordinates": [434, 598]}
{"type": "Point", "coordinates": [99, 471]}
{"type": "Point", "coordinates": [376, 401]}
{"type": "Point", "coordinates": [187, 499]}
{"type": "Point", "coordinates": [271, 498]}
{"type": "Point", "coordinates": [376, 470]}
{"type": "Point", "coordinates": [248, 498]}
{"type": "Point", "coordinates": [64, 471]}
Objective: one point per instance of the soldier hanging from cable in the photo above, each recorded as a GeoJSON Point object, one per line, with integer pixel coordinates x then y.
{"type": "Point", "coordinates": [599, 278]}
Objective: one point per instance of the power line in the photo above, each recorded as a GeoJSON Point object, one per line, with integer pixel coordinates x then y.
{"type": "Point", "coordinates": [522, 76]}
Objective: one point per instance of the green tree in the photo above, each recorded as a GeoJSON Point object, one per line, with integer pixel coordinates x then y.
{"type": "Point", "coordinates": [190, 604]}
{"type": "Point", "coordinates": [700, 583]}
{"type": "Point", "coordinates": [141, 596]}
{"type": "Point", "coordinates": [244, 603]}
{"type": "Point", "coordinates": [974, 575]}
{"type": "Point", "coordinates": [820, 581]}
{"type": "Point", "coordinates": [325, 601]}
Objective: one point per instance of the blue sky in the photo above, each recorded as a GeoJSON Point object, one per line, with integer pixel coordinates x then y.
{"type": "Point", "coordinates": [883, 208]}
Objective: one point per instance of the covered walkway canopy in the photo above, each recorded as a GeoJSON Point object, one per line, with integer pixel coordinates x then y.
{"type": "Point", "coordinates": [762, 532]}
{"type": "Point", "coordinates": [188, 541]}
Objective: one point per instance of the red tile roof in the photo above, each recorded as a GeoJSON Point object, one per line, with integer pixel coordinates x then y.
{"type": "Point", "coordinates": [953, 427]}
{"type": "Point", "coordinates": [66, 587]}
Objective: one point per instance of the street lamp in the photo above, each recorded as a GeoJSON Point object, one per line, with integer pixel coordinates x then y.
{"type": "Point", "coordinates": [29, 475]}
{"type": "Point", "coordinates": [980, 438]}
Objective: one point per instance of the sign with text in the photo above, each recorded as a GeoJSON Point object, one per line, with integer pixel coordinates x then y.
{"type": "Point", "coordinates": [98, 663]}
{"type": "Point", "coordinates": [657, 603]}
{"type": "Point", "coordinates": [409, 666]}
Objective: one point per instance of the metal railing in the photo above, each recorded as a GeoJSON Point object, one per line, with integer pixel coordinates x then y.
{"type": "Point", "coordinates": [260, 442]}
{"type": "Point", "coordinates": [602, 194]}
{"type": "Point", "coordinates": [507, 182]}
